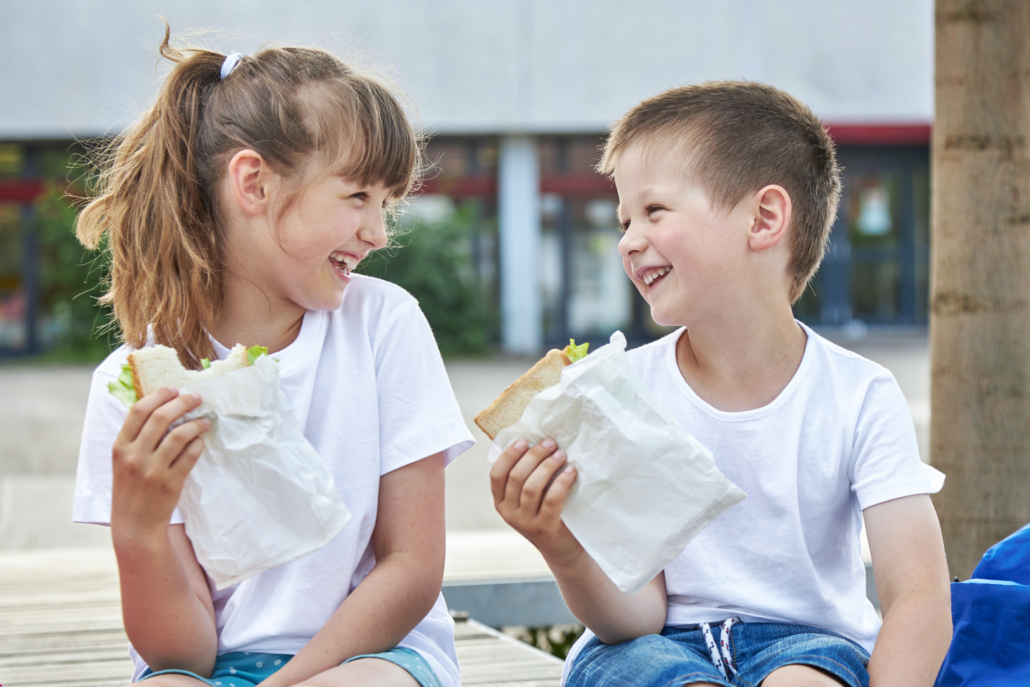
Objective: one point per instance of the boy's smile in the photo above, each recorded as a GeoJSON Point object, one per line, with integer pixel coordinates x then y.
{"type": "Point", "coordinates": [684, 257]}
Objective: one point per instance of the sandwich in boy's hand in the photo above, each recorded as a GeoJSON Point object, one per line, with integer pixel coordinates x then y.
{"type": "Point", "coordinates": [158, 366]}
{"type": "Point", "coordinates": [509, 406]}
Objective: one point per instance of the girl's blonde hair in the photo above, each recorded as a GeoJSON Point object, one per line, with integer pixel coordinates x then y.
{"type": "Point", "coordinates": [304, 111]}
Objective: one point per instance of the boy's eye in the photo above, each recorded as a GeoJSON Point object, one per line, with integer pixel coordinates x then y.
{"type": "Point", "coordinates": [360, 195]}
{"type": "Point", "coordinates": [624, 226]}
{"type": "Point", "coordinates": [651, 209]}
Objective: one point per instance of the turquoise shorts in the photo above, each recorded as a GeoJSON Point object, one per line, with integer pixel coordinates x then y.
{"type": "Point", "coordinates": [248, 668]}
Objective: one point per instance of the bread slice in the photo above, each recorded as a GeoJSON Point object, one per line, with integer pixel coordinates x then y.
{"type": "Point", "coordinates": [158, 366]}
{"type": "Point", "coordinates": [509, 406]}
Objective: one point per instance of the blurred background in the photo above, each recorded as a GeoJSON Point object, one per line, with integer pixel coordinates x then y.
{"type": "Point", "coordinates": [515, 247]}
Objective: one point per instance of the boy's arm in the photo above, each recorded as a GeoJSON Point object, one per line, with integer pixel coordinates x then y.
{"type": "Point", "coordinates": [912, 583]}
{"type": "Point", "coordinates": [528, 500]}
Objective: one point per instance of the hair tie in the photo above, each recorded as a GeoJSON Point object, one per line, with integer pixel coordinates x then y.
{"type": "Point", "coordinates": [230, 63]}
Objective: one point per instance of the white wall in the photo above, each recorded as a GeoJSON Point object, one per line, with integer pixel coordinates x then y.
{"type": "Point", "coordinates": [83, 67]}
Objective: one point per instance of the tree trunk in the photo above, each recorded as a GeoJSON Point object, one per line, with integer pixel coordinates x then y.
{"type": "Point", "coordinates": [980, 285]}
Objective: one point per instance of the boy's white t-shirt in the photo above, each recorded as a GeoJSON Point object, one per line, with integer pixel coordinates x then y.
{"type": "Point", "coordinates": [838, 439]}
{"type": "Point", "coordinates": [371, 392]}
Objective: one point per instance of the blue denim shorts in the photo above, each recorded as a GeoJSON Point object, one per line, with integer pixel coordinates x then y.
{"type": "Point", "coordinates": [247, 668]}
{"type": "Point", "coordinates": [682, 655]}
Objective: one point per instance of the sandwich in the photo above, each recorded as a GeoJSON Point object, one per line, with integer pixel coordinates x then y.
{"type": "Point", "coordinates": [158, 366]}
{"type": "Point", "coordinates": [509, 406]}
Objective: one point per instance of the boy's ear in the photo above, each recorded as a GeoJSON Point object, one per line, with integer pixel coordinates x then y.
{"type": "Point", "coordinates": [772, 217]}
{"type": "Point", "coordinates": [249, 178]}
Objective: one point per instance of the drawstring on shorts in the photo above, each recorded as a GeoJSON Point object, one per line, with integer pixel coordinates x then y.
{"type": "Point", "coordinates": [721, 657]}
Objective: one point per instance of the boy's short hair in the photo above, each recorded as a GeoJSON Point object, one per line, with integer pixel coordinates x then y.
{"type": "Point", "coordinates": [736, 137]}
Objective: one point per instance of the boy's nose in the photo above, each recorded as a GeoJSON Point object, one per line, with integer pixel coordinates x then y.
{"type": "Point", "coordinates": [631, 242]}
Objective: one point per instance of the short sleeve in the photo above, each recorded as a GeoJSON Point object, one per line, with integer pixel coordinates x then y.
{"type": "Point", "coordinates": [418, 413]}
{"type": "Point", "coordinates": [105, 416]}
{"type": "Point", "coordinates": [885, 462]}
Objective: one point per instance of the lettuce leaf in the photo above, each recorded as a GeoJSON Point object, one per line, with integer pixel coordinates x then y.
{"type": "Point", "coordinates": [254, 352]}
{"type": "Point", "coordinates": [576, 352]}
{"type": "Point", "coordinates": [122, 388]}
{"type": "Point", "coordinates": [205, 363]}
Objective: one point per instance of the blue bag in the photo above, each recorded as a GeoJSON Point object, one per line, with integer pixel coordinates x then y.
{"type": "Point", "coordinates": [991, 615]}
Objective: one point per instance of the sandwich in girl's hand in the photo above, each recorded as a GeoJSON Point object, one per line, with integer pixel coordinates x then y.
{"type": "Point", "coordinates": [154, 367]}
{"type": "Point", "coordinates": [255, 447]}
{"type": "Point", "coordinates": [509, 406]}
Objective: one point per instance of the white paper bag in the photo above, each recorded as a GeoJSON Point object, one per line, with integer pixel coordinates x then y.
{"type": "Point", "coordinates": [645, 487]}
{"type": "Point", "coordinates": [259, 496]}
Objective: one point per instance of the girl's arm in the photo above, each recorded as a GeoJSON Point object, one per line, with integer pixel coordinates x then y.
{"type": "Point", "coordinates": [912, 582]}
{"type": "Point", "coordinates": [166, 604]}
{"type": "Point", "coordinates": [401, 589]}
{"type": "Point", "coordinates": [528, 500]}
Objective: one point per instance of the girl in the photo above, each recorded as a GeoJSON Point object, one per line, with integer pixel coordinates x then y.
{"type": "Point", "coordinates": [235, 211]}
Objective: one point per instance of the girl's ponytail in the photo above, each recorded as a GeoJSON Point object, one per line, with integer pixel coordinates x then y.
{"type": "Point", "coordinates": [157, 203]}
{"type": "Point", "coordinates": [157, 214]}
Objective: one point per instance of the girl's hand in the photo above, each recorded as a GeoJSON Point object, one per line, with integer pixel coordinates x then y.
{"type": "Point", "coordinates": [150, 463]}
{"type": "Point", "coordinates": [529, 496]}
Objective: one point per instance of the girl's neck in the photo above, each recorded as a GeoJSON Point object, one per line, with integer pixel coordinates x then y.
{"type": "Point", "coordinates": [742, 362]}
{"type": "Point", "coordinates": [249, 317]}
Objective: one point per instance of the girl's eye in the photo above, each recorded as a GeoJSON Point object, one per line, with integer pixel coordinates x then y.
{"type": "Point", "coordinates": [360, 195]}
{"type": "Point", "coordinates": [624, 226]}
{"type": "Point", "coordinates": [651, 209]}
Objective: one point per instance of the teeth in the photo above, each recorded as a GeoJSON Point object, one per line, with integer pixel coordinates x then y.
{"type": "Point", "coordinates": [653, 275]}
{"type": "Point", "coordinates": [347, 262]}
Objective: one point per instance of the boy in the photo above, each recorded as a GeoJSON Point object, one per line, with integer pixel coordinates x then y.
{"type": "Point", "coordinates": [727, 192]}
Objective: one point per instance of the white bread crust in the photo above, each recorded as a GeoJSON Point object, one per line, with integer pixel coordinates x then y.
{"type": "Point", "coordinates": [509, 406]}
{"type": "Point", "coordinates": [158, 366]}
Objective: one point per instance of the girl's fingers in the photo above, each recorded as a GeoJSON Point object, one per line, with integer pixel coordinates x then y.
{"type": "Point", "coordinates": [502, 466]}
{"type": "Point", "coordinates": [173, 443]}
{"type": "Point", "coordinates": [160, 419]}
{"type": "Point", "coordinates": [536, 484]}
{"type": "Point", "coordinates": [554, 499]}
{"type": "Point", "coordinates": [187, 458]}
{"type": "Point", "coordinates": [525, 467]}
{"type": "Point", "coordinates": [140, 412]}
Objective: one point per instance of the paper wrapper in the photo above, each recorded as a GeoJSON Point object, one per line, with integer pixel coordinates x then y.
{"type": "Point", "coordinates": [645, 487]}
{"type": "Point", "coordinates": [259, 496]}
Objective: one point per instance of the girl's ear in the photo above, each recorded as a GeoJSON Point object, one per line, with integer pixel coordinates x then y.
{"type": "Point", "coordinates": [250, 179]}
{"type": "Point", "coordinates": [771, 219]}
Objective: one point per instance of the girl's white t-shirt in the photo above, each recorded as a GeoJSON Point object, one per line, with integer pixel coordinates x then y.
{"type": "Point", "coordinates": [837, 440]}
{"type": "Point", "coordinates": [371, 392]}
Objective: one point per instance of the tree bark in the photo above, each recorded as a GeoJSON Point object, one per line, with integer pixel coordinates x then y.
{"type": "Point", "coordinates": [980, 279]}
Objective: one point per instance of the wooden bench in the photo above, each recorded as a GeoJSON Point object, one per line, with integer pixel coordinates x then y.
{"type": "Point", "coordinates": [61, 625]}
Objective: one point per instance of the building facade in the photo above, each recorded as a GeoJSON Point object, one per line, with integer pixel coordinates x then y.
{"type": "Point", "coordinates": [517, 96]}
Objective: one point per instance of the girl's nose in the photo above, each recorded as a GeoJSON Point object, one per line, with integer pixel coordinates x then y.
{"type": "Point", "coordinates": [373, 232]}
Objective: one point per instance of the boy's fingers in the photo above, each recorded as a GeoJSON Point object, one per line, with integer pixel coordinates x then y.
{"type": "Point", "coordinates": [535, 486]}
{"type": "Point", "coordinates": [141, 410]}
{"type": "Point", "coordinates": [525, 467]}
{"type": "Point", "coordinates": [502, 466]}
{"type": "Point", "coordinates": [157, 424]}
{"type": "Point", "coordinates": [554, 499]}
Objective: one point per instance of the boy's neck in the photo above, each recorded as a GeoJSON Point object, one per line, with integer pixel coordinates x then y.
{"type": "Point", "coordinates": [741, 362]}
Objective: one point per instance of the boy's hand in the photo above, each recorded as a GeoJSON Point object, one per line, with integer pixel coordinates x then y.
{"type": "Point", "coordinates": [150, 463]}
{"type": "Point", "coordinates": [527, 498]}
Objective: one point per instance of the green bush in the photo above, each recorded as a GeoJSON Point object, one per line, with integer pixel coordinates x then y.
{"type": "Point", "coordinates": [433, 262]}
{"type": "Point", "coordinates": [70, 281]}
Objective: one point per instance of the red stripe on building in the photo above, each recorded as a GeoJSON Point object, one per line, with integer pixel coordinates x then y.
{"type": "Point", "coordinates": [20, 191]}
{"type": "Point", "coordinates": [880, 134]}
